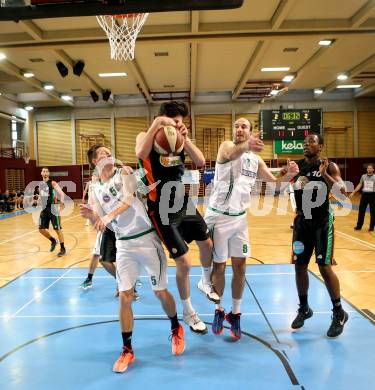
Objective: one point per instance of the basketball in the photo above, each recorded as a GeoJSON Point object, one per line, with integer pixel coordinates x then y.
{"type": "Point", "coordinates": [168, 141]}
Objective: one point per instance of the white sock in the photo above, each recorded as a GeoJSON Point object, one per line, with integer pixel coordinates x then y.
{"type": "Point", "coordinates": [206, 275]}
{"type": "Point", "coordinates": [218, 305]}
{"type": "Point", "coordinates": [236, 306]}
{"type": "Point", "coordinates": [187, 307]}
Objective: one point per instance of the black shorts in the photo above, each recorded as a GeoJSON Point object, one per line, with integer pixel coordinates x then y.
{"type": "Point", "coordinates": [46, 216]}
{"type": "Point", "coordinates": [310, 234]}
{"type": "Point", "coordinates": [182, 228]}
{"type": "Point", "coordinates": [108, 246]}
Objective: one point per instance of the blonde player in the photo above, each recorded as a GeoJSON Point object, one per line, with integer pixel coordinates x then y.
{"type": "Point", "coordinates": [137, 247]}
{"type": "Point", "coordinates": [237, 168]}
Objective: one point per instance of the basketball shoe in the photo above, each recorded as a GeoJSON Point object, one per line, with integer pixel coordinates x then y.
{"type": "Point", "coordinates": [217, 325]}
{"type": "Point", "coordinates": [127, 357]}
{"type": "Point", "coordinates": [209, 291]}
{"type": "Point", "coordinates": [178, 341]}
{"type": "Point", "coordinates": [303, 314]}
{"type": "Point", "coordinates": [235, 325]}
{"type": "Point", "coordinates": [195, 323]}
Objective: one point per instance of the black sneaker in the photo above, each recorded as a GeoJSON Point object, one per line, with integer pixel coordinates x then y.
{"type": "Point", "coordinates": [339, 318]}
{"type": "Point", "coordinates": [303, 314]}
{"type": "Point", "coordinates": [53, 245]}
{"type": "Point", "coordinates": [235, 324]}
{"type": "Point", "coordinates": [371, 229]}
{"type": "Point", "coordinates": [62, 252]}
{"type": "Point", "coordinates": [357, 228]}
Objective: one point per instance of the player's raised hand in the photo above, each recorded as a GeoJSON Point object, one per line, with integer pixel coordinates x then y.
{"type": "Point", "coordinates": [182, 129]}
{"type": "Point", "coordinates": [160, 121]}
{"type": "Point", "coordinates": [255, 144]}
{"type": "Point", "coordinates": [323, 166]}
{"type": "Point", "coordinates": [292, 167]}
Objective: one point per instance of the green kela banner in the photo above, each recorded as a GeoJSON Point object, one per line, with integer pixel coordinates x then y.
{"type": "Point", "coordinates": [288, 146]}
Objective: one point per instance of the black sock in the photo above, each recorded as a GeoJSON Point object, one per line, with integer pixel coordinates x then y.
{"type": "Point", "coordinates": [127, 339]}
{"type": "Point", "coordinates": [174, 322]}
{"type": "Point", "coordinates": [303, 300]}
{"type": "Point", "coordinates": [337, 304]}
{"type": "Point", "coordinates": [89, 277]}
{"type": "Point", "coordinates": [62, 246]}
{"type": "Point", "coordinates": [52, 239]}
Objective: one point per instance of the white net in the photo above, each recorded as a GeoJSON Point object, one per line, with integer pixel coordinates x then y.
{"type": "Point", "coordinates": [122, 32]}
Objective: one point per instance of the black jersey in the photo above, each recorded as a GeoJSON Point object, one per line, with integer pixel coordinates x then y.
{"type": "Point", "coordinates": [163, 170]}
{"type": "Point", "coordinates": [310, 187]}
{"type": "Point", "coordinates": [48, 193]}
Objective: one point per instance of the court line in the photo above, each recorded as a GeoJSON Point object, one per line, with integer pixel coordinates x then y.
{"type": "Point", "coordinates": [349, 237]}
{"type": "Point", "coordinates": [253, 314]}
{"type": "Point", "coordinates": [171, 275]}
{"type": "Point", "coordinates": [345, 235]}
{"type": "Point", "coordinates": [33, 231]}
{"type": "Point", "coordinates": [39, 295]}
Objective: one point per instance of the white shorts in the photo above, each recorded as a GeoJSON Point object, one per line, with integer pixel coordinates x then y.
{"type": "Point", "coordinates": [230, 235]}
{"type": "Point", "coordinates": [145, 252]}
{"type": "Point", "coordinates": [98, 242]}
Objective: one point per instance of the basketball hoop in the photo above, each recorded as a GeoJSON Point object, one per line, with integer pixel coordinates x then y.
{"type": "Point", "coordinates": [122, 31]}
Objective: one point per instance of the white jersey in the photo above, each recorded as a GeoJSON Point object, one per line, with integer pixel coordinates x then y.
{"type": "Point", "coordinates": [131, 223]}
{"type": "Point", "coordinates": [231, 193]}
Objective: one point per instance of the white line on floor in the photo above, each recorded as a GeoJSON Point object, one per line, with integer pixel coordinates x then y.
{"type": "Point", "coordinates": [162, 315]}
{"type": "Point", "coordinates": [40, 294]}
{"type": "Point", "coordinates": [33, 231]}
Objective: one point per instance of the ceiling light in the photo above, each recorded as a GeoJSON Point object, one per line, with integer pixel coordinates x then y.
{"type": "Point", "coordinates": [318, 91]}
{"type": "Point", "coordinates": [2, 56]}
{"type": "Point", "coordinates": [66, 97]}
{"type": "Point", "coordinates": [29, 108]}
{"type": "Point", "coordinates": [349, 86]}
{"type": "Point", "coordinates": [277, 69]}
{"type": "Point", "coordinates": [288, 78]}
{"type": "Point", "coordinates": [326, 42]}
{"type": "Point", "coordinates": [48, 87]}
{"type": "Point", "coordinates": [342, 76]}
{"type": "Point", "coordinates": [28, 74]}
{"type": "Point", "coordinates": [274, 92]}
{"type": "Point", "coordinates": [118, 74]}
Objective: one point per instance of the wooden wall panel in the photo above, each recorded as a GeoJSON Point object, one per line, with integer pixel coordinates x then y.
{"type": "Point", "coordinates": [366, 133]}
{"type": "Point", "coordinates": [91, 126]}
{"type": "Point", "coordinates": [126, 130]}
{"type": "Point", "coordinates": [54, 143]}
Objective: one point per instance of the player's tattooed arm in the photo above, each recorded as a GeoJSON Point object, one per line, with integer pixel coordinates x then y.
{"type": "Point", "coordinates": [145, 140]}
{"type": "Point", "coordinates": [60, 193]}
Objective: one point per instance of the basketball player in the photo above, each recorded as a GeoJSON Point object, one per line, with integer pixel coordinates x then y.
{"type": "Point", "coordinates": [237, 167]}
{"type": "Point", "coordinates": [51, 194]}
{"type": "Point", "coordinates": [182, 222]}
{"type": "Point", "coordinates": [105, 245]}
{"type": "Point", "coordinates": [367, 183]}
{"type": "Point", "coordinates": [313, 229]}
{"type": "Point", "coordinates": [137, 247]}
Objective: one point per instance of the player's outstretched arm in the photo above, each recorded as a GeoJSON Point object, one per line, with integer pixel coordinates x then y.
{"type": "Point", "coordinates": [229, 151]}
{"type": "Point", "coordinates": [287, 173]}
{"type": "Point", "coordinates": [145, 140]}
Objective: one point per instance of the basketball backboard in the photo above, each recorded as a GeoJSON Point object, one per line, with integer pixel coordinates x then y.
{"type": "Point", "coordinates": [39, 9]}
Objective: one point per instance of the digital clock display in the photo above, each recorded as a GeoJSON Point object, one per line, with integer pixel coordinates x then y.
{"type": "Point", "coordinates": [289, 124]}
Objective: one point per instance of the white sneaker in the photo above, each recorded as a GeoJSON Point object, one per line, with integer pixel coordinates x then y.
{"type": "Point", "coordinates": [195, 323]}
{"type": "Point", "coordinates": [209, 291]}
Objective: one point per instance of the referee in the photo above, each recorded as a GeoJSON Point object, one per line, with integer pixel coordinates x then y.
{"type": "Point", "coordinates": [367, 183]}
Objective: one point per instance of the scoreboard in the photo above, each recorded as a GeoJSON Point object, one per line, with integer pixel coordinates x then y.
{"type": "Point", "coordinates": [289, 124]}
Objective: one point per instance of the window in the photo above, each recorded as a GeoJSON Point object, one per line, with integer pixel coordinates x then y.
{"type": "Point", "coordinates": [14, 134]}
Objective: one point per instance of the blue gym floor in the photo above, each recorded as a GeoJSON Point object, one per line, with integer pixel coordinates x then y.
{"type": "Point", "coordinates": [53, 335]}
